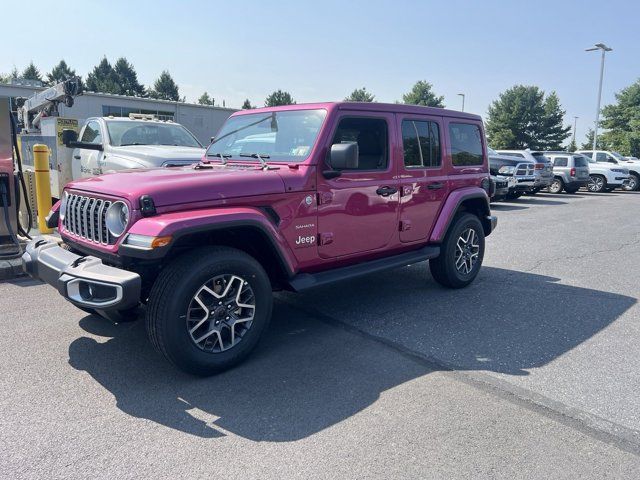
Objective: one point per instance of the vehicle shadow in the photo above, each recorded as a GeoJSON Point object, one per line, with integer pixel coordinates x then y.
{"type": "Point", "coordinates": [308, 375]}
{"type": "Point", "coordinates": [539, 201]}
{"type": "Point", "coordinates": [507, 207]}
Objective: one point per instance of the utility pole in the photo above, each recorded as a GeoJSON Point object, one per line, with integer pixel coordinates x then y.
{"type": "Point", "coordinates": [462, 95]}
{"type": "Point", "coordinates": [575, 124]}
{"type": "Point", "coordinates": [604, 49]}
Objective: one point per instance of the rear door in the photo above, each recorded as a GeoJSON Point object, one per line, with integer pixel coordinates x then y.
{"type": "Point", "coordinates": [423, 179]}
{"type": "Point", "coordinates": [358, 210]}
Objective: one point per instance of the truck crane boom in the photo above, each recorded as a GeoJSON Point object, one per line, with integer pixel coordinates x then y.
{"type": "Point", "coordinates": [45, 103]}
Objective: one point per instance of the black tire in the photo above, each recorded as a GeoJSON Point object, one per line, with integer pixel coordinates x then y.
{"type": "Point", "coordinates": [597, 183]}
{"type": "Point", "coordinates": [514, 195]}
{"type": "Point", "coordinates": [556, 186]}
{"type": "Point", "coordinates": [443, 268]}
{"type": "Point", "coordinates": [533, 191]}
{"type": "Point", "coordinates": [571, 190]}
{"type": "Point", "coordinates": [175, 289]}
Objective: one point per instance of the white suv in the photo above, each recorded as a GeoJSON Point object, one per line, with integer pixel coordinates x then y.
{"type": "Point", "coordinates": [614, 158]}
{"type": "Point", "coordinates": [605, 176]}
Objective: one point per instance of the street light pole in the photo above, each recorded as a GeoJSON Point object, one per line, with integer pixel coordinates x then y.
{"type": "Point", "coordinates": [604, 49]}
{"type": "Point", "coordinates": [575, 124]}
{"type": "Point", "coordinates": [462, 95]}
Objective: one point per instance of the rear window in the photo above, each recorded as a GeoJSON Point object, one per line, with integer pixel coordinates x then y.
{"type": "Point", "coordinates": [466, 144]}
{"type": "Point", "coordinates": [540, 157]}
{"type": "Point", "coordinates": [580, 162]}
{"type": "Point", "coordinates": [511, 154]}
{"type": "Point", "coordinates": [421, 143]}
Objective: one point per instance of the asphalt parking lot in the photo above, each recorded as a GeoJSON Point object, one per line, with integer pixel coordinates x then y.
{"type": "Point", "coordinates": [531, 372]}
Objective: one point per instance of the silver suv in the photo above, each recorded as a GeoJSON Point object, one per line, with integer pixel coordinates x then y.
{"type": "Point", "coordinates": [570, 171]}
{"type": "Point", "coordinates": [543, 168]}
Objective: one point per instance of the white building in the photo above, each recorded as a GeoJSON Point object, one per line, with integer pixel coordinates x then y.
{"type": "Point", "coordinates": [202, 120]}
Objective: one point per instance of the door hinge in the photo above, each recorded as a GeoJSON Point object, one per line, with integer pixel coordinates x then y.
{"type": "Point", "coordinates": [405, 225]}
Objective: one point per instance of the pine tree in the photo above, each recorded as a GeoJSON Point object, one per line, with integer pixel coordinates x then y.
{"type": "Point", "coordinates": [360, 95]}
{"type": "Point", "coordinates": [247, 105]}
{"type": "Point", "coordinates": [165, 88]}
{"type": "Point", "coordinates": [60, 73]}
{"type": "Point", "coordinates": [205, 99]}
{"type": "Point", "coordinates": [128, 79]}
{"type": "Point", "coordinates": [103, 78]}
{"type": "Point", "coordinates": [31, 73]}
{"type": "Point", "coordinates": [621, 121]}
{"type": "Point", "coordinates": [522, 118]}
{"type": "Point", "coordinates": [278, 98]}
{"type": "Point", "coordinates": [422, 94]}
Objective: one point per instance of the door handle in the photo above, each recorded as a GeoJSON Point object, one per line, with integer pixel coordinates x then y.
{"type": "Point", "coordinates": [77, 157]}
{"type": "Point", "coordinates": [435, 186]}
{"type": "Point", "coordinates": [386, 191]}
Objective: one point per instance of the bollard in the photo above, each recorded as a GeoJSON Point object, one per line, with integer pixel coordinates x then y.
{"type": "Point", "coordinates": [43, 185]}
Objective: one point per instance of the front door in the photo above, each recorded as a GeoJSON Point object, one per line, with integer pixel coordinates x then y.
{"type": "Point", "coordinates": [423, 180]}
{"type": "Point", "coordinates": [88, 163]}
{"type": "Point", "coordinates": [358, 210]}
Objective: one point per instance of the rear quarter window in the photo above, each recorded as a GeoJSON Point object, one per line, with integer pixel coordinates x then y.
{"type": "Point", "coordinates": [466, 144]}
{"type": "Point", "coordinates": [560, 162]}
{"type": "Point", "coordinates": [580, 162]}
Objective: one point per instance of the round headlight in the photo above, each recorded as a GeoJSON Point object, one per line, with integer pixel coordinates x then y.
{"type": "Point", "coordinates": [63, 205]}
{"type": "Point", "coordinates": [117, 218]}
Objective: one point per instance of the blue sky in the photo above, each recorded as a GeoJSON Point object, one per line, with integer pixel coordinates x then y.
{"type": "Point", "coordinates": [322, 50]}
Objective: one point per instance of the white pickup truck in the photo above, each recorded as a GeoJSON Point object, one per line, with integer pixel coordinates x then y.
{"type": "Point", "coordinates": [107, 144]}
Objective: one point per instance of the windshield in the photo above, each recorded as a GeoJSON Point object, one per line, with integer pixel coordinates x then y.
{"type": "Point", "coordinates": [617, 155]}
{"type": "Point", "coordinates": [150, 133]}
{"type": "Point", "coordinates": [286, 136]}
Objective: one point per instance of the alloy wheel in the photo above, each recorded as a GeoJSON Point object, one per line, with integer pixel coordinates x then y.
{"type": "Point", "coordinates": [556, 186]}
{"type": "Point", "coordinates": [596, 184]}
{"type": "Point", "coordinates": [632, 185]}
{"type": "Point", "coordinates": [221, 313]}
{"type": "Point", "coordinates": [467, 251]}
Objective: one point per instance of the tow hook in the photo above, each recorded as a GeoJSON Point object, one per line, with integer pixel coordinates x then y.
{"type": "Point", "coordinates": [78, 261]}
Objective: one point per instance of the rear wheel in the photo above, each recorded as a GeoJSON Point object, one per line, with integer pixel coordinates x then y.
{"type": "Point", "coordinates": [208, 309]}
{"type": "Point", "coordinates": [461, 253]}
{"type": "Point", "coordinates": [556, 186]}
{"type": "Point", "coordinates": [597, 183]}
{"type": "Point", "coordinates": [571, 190]}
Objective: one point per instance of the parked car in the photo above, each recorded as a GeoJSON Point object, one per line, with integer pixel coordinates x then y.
{"type": "Point", "coordinates": [501, 185]}
{"type": "Point", "coordinates": [543, 168]}
{"type": "Point", "coordinates": [570, 172]}
{"type": "Point", "coordinates": [605, 177]}
{"type": "Point", "coordinates": [519, 172]}
{"type": "Point", "coordinates": [614, 158]}
{"type": "Point", "coordinates": [114, 143]}
{"type": "Point", "coordinates": [328, 199]}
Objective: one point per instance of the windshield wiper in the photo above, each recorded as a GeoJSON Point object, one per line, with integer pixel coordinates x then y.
{"type": "Point", "coordinates": [263, 163]}
{"type": "Point", "coordinates": [134, 143]}
{"type": "Point", "coordinates": [222, 156]}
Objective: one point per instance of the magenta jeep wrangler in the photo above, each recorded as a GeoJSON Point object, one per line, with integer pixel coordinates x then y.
{"type": "Point", "coordinates": [286, 198]}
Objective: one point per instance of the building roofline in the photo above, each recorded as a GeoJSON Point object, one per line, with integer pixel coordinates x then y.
{"type": "Point", "coordinates": [124, 97]}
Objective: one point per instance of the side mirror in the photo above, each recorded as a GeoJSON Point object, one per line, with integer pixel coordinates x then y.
{"type": "Point", "coordinates": [344, 156]}
{"type": "Point", "coordinates": [212, 139]}
{"type": "Point", "coordinates": [69, 136]}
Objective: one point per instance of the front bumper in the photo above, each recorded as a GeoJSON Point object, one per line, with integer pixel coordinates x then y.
{"type": "Point", "coordinates": [523, 183]}
{"type": "Point", "coordinates": [490, 224]}
{"type": "Point", "coordinates": [84, 281]}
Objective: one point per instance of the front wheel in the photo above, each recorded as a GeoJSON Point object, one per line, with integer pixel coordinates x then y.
{"type": "Point", "coordinates": [208, 309]}
{"type": "Point", "coordinates": [634, 183]}
{"type": "Point", "coordinates": [597, 183]}
{"type": "Point", "coordinates": [556, 186]}
{"type": "Point", "coordinates": [461, 253]}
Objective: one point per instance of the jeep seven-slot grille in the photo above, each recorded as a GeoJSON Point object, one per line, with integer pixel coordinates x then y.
{"type": "Point", "coordinates": [85, 217]}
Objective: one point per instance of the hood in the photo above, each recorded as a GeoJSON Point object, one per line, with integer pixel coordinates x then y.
{"type": "Point", "coordinates": [183, 185]}
{"type": "Point", "coordinates": [497, 161]}
{"type": "Point", "coordinates": [158, 155]}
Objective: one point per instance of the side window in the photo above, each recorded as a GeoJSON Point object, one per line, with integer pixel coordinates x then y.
{"type": "Point", "coordinates": [610, 159]}
{"type": "Point", "coordinates": [466, 144]}
{"type": "Point", "coordinates": [601, 157]}
{"type": "Point", "coordinates": [372, 138]}
{"type": "Point", "coordinates": [421, 143]}
{"type": "Point", "coordinates": [92, 133]}
{"type": "Point", "coordinates": [560, 162]}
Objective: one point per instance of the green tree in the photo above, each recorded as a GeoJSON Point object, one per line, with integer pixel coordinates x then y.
{"type": "Point", "coordinates": [360, 95]}
{"type": "Point", "coordinates": [279, 98]}
{"type": "Point", "coordinates": [522, 118]}
{"type": "Point", "coordinates": [422, 94]}
{"type": "Point", "coordinates": [600, 144]}
{"type": "Point", "coordinates": [165, 88]}
{"type": "Point", "coordinates": [247, 105]}
{"type": "Point", "coordinates": [572, 147]}
{"type": "Point", "coordinates": [621, 121]}
{"type": "Point", "coordinates": [205, 99]}
{"type": "Point", "coordinates": [103, 78]}
{"type": "Point", "coordinates": [128, 79]}
{"type": "Point", "coordinates": [31, 73]}
{"type": "Point", "coordinates": [60, 73]}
